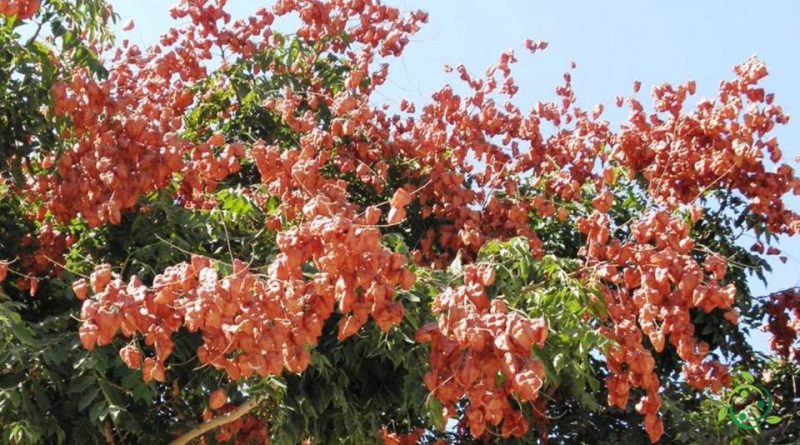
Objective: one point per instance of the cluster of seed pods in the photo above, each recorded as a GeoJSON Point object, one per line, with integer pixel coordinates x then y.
{"type": "Point", "coordinates": [21, 9]}
{"type": "Point", "coordinates": [720, 145]}
{"type": "Point", "coordinates": [243, 431]}
{"type": "Point", "coordinates": [480, 168]}
{"type": "Point", "coordinates": [783, 322]}
{"type": "Point", "coordinates": [252, 323]}
{"type": "Point", "coordinates": [650, 282]}
{"type": "Point", "coordinates": [412, 438]}
{"type": "Point", "coordinates": [474, 341]}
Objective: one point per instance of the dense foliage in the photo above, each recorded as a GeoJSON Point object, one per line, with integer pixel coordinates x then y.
{"type": "Point", "coordinates": [223, 238]}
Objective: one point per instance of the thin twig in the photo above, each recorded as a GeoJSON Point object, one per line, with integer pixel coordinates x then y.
{"type": "Point", "coordinates": [109, 434]}
{"type": "Point", "coordinates": [205, 427]}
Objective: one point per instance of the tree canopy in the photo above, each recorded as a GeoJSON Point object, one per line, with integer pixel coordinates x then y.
{"type": "Point", "coordinates": [227, 238]}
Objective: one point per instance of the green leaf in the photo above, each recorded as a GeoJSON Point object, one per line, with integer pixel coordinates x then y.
{"type": "Point", "coordinates": [395, 242]}
{"type": "Point", "coordinates": [80, 383]}
{"type": "Point", "coordinates": [58, 28]}
{"type": "Point", "coordinates": [774, 420]}
{"type": "Point", "coordinates": [40, 396]}
{"type": "Point", "coordinates": [746, 376]}
{"type": "Point", "coordinates": [722, 413]}
{"type": "Point", "coordinates": [99, 411]}
{"type": "Point", "coordinates": [88, 398]}
{"type": "Point", "coordinates": [8, 381]}
{"type": "Point", "coordinates": [115, 411]}
{"type": "Point", "coordinates": [435, 412]}
{"type": "Point", "coordinates": [559, 361]}
{"type": "Point", "coordinates": [456, 267]}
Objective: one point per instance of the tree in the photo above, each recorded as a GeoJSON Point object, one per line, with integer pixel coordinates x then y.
{"type": "Point", "coordinates": [222, 239]}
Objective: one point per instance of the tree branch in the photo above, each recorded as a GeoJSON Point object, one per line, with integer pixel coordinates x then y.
{"type": "Point", "coordinates": [205, 427]}
{"type": "Point", "coordinates": [108, 432]}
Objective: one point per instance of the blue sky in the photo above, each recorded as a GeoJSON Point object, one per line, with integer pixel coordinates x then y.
{"type": "Point", "coordinates": [613, 44]}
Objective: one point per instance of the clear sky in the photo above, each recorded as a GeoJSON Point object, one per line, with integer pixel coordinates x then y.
{"type": "Point", "coordinates": [612, 42]}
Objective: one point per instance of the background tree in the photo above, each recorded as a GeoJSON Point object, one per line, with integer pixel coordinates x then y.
{"type": "Point", "coordinates": [222, 238]}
